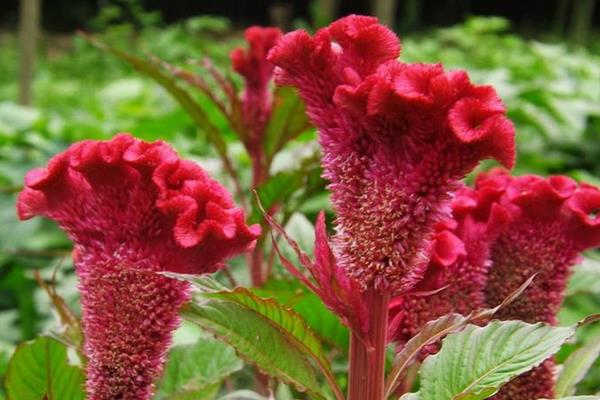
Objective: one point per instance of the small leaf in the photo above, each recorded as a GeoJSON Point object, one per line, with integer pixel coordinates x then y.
{"type": "Point", "coordinates": [196, 371]}
{"type": "Point", "coordinates": [40, 369]}
{"type": "Point", "coordinates": [576, 366]}
{"type": "Point", "coordinates": [287, 121]}
{"type": "Point", "coordinates": [475, 363]}
{"type": "Point", "coordinates": [585, 278]}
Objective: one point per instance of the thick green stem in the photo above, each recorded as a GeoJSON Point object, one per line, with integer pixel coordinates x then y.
{"type": "Point", "coordinates": [367, 356]}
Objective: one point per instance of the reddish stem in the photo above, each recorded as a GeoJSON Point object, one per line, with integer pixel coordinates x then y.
{"type": "Point", "coordinates": [367, 357]}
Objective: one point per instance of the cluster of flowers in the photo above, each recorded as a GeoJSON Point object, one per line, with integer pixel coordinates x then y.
{"type": "Point", "coordinates": [397, 139]}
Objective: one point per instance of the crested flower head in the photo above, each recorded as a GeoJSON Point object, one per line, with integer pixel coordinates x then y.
{"type": "Point", "coordinates": [132, 209]}
{"type": "Point", "coordinates": [396, 138]}
{"type": "Point", "coordinates": [550, 221]}
{"type": "Point", "coordinates": [253, 66]}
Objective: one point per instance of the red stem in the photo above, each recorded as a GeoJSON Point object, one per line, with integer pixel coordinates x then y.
{"type": "Point", "coordinates": [367, 358]}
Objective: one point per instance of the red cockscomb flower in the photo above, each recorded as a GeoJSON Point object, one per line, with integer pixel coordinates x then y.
{"type": "Point", "coordinates": [551, 222]}
{"type": "Point", "coordinates": [396, 138]}
{"type": "Point", "coordinates": [132, 209]}
{"type": "Point", "coordinates": [252, 64]}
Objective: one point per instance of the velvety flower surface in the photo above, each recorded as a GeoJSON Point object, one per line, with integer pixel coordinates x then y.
{"type": "Point", "coordinates": [457, 271]}
{"type": "Point", "coordinates": [133, 208]}
{"type": "Point", "coordinates": [396, 138]}
{"type": "Point", "coordinates": [551, 222]}
{"type": "Point", "coordinates": [252, 64]}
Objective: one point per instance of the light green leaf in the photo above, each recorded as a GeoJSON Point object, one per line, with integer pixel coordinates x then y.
{"type": "Point", "coordinates": [435, 330]}
{"type": "Point", "coordinates": [196, 371]}
{"type": "Point", "coordinates": [585, 278]}
{"type": "Point", "coordinates": [475, 363]}
{"type": "Point", "coordinates": [576, 366]}
{"type": "Point", "coordinates": [40, 368]}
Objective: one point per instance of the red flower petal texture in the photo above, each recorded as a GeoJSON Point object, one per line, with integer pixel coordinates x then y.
{"type": "Point", "coordinates": [252, 64]}
{"type": "Point", "coordinates": [396, 139]}
{"type": "Point", "coordinates": [132, 209]}
{"type": "Point", "coordinates": [551, 222]}
{"type": "Point", "coordinates": [459, 269]}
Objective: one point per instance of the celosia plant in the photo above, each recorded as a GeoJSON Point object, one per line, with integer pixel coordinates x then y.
{"type": "Point", "coordinates": [551, 222]}
{"type": "Point", "coordinates": [511, 228]}
{"type": "Point", "coordinates": [416, 255]}
{"type": "Point", "coordinates": [134, 209]}
{"type": "Point", "coordinates": [396, 139]}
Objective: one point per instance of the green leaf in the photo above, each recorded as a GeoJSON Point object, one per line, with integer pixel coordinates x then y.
{"type": "Point", "coordinates": [293, 294]}
{"type": "Point", "coordinates": [576, 366]}
{"type": "Point", "coordinates": [196, 371]}
{"type": "Point", "coordinates": [585, 278]}
{"type": "Point", "coordinates": [273, 337]}
{"type": "Point", "coordinates": [287, 121]}
{"type": "Point", "coordinates": [475, 363]}
{"type": "Point", "coordinates": [40, 369]}
{"type": "Point", "coordinates": [256, 340]}
{"type": "Point", "coordinates": [282, 317]}
{"type": "Point", "coordinates": [435, 330]}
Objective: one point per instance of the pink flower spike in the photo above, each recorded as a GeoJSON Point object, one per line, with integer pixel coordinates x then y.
{"type": "Point", "coordinates": [461, 275]}
{"type": "Point", "coordinates": [132, 209]}
{"type": "Point", "coordinates": [396, 139]}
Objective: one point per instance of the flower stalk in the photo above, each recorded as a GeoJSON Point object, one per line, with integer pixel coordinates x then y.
{"type": "Point", "coordinates": [367, 355]}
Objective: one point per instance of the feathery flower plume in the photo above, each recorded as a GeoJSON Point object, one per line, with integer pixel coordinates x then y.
{"type": "Point", "coordinates": [552, 221]}
{"type": "Point", "coordinates": [396, 138]}
{"type": "Point", "coordinates": [132, 209]}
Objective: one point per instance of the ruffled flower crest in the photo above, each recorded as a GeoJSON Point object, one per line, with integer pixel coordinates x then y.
{"type": "Point", "coordinates": [133, 208]}
{"type": "Point", "coordinates": [396, 138]}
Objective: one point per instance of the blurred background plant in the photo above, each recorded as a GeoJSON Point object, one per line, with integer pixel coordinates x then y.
{"type": "Point", "coordinates": [547, 73]}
